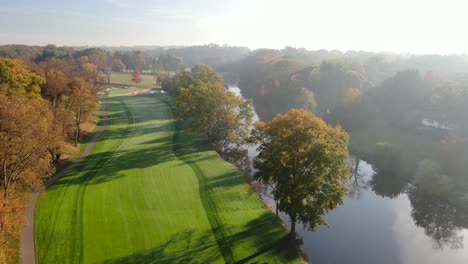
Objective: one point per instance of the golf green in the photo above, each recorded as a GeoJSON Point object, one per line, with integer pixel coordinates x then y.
{"type": "Point", "coordinates": [152, 192]}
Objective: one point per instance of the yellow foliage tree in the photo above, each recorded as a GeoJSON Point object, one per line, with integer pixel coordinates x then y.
{"type": "Point", "coordinates": [306, 160]}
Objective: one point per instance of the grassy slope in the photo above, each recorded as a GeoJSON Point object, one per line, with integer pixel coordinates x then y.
{"type": "Point", "coordinates": [135, 200]}
{"type": "Point", "coordinates": [124, 78]}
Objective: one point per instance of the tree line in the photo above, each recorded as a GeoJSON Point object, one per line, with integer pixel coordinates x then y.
{"type": "Point", "coordinates": [299, 154]}
{"type": "Point", "coordinates": [43, 106]}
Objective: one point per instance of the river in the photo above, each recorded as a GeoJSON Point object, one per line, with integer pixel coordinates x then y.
{"type": "Point", "coordinates": [382, 221]}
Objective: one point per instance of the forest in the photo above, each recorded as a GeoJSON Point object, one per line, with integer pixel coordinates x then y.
{"type": "Point", "coordinates": [48, 104]}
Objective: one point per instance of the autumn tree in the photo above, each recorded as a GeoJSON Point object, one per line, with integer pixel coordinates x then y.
{"type": "Point", "coordinates": [57, 73]}
{"type": "Point", "coordinates": [83, 103]}
{"type": "Point", "coordinates": [88, 71]}
{"type": "Point", "coordinates": [15, 78]}
{"type": "Point", "coordinates": [306, 160]}
{"type": "Point", "coordinates": [26, 124]}
{"type": "Point", "coordinates": [204, 101]}
{"type": "Point", "coordinates": [37, 104]}
{"type": "Point", "coordinates": [136, 76]}
{"type": "Point", "coordinates": [26, 135]}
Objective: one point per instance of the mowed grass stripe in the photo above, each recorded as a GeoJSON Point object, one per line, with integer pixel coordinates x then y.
{"type": "Point", "coordinates": [142, 203]}
{"type": "Point", "coordinates": [63, 208]}
{"type": "Point", "coordinates": [246, 231]}
{"type": "Point", "coordinates": [151, 209]}
{"type": "Point", "coordinates": [166, 193]}
{"type": "Point", "coordinates": [210, 209]}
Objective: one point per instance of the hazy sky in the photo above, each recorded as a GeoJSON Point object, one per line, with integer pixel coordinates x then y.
{"type": "Point", "coordinates": [416, 26]}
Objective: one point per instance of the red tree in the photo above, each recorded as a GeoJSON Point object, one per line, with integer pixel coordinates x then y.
{"type": "Point", "coordinates": [136, 77]}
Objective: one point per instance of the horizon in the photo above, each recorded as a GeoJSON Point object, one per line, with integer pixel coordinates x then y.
{"type": "Point", "coordinates": [373, 26]}
{"type": "Point", "coordinates": [155, 46]}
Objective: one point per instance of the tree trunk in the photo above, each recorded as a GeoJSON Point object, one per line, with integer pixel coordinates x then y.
{"type": "Point", "coordinates": [77, 134]}
{"type": "Point", "coordinates": [276, 205]}
{"type": "Point", "coordinates": [5, 180]}
{"type": "Point", "coordinates": [293, 228]}
{"type": "Point", "coordinates": [57, 157]}
{"type": "Point", "coordinates": [5, 195]}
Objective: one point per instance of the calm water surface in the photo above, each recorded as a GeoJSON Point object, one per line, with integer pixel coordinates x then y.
{"type": "Point", "coordinates": [382, 221]}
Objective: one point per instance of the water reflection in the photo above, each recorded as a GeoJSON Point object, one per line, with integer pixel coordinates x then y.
{"type": "Point", "coordinates": [437, 216]}
{"type": "Point", "coordinates": [434, 212]}
{"type": "Point", "coordinates": [389, 220]}
{"type": "Point", "coordinates": [358, 182]}
{"type": "Point", "coordinates": [387, 183]}
{"type": "Point", "coordinates": [385, 219]}
{"type": "Point", "coordinates": [384, 182]}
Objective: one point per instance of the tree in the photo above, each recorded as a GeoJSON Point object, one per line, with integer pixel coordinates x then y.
{"type": "Point", "coordinates": [25, 137]}
{"type": "Point", "coordinates": [168, 84]}
{"type": "Point", "coordinates": [171, 63]}
{"type": "Point", "coordinates": [83, 102]}
{"type": "Point", "coordinates": [203, 100]}
{"type": "Point", "coordinates": [306, 160]}
{"type": "Point", "coordinates": [136, 76]}
{"type": "Point", "coordinates": [118, 66]}
{"type": "Point", "coordinates": [33, 130]}
{"type": "Point", "coordinates": [15, 78]}
{"type": "Point", "coordinates": [100, 58]}
{"type": "Point", "coordinates": [57, 74]}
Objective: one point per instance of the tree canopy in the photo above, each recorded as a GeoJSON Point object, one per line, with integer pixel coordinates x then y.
{"type": "Point", "coordinates": [40, 104]}
{"type": "Point", "coordinates": [204, 101]}
{"type": "Point", "coordinates": [15, 78]}
{"type": "Point", "coordinates": [306, 160]}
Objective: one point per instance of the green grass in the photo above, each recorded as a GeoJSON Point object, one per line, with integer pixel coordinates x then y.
{"type": "Point", "coordinates": [152, 194]}
{"type": "Point", "coordinates": [125, 79]}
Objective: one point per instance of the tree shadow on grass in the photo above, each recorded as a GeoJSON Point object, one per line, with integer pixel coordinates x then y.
{"type": "Point", "coordinates": [109, 165]}
{"type": "Point", "coordinates": [263, 233]}
{"type": "Point", "coordinates": [106, 166]}
{"type": "Point", "coordinates": [125, 132]}
{"type": "Point", "coordinates": [125, 115]}
{"type": "Point", "coordinates": [266, 236]}
{"type": "Point", "coordinates": [184, 247]}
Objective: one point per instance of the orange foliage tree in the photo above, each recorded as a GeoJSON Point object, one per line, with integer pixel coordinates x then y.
{"type": "Point", "coordinates": [26, 135]}
{"type": "Point", "coordinates": [136, 76]}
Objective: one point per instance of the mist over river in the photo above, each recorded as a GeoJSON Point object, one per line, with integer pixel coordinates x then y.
{"type": "Point", "coordinates": [383, 220]}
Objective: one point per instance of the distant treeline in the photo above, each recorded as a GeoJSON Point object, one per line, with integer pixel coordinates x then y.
{"type": "Point", "coordinates": [377, 66]}
{"type": "Point", "coordinates": [120, 59]}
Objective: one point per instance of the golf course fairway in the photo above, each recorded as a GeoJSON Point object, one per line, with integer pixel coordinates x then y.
{"type": "Point", "coordinates": [153, 192]}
